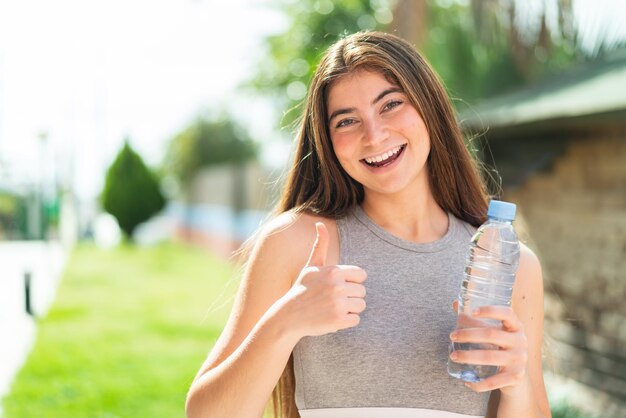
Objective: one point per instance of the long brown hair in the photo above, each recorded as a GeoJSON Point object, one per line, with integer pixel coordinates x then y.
{"type": "Point", "coordinates": [318, 184]}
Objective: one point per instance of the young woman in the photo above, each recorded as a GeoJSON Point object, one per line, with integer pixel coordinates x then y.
{"type": "Point", "coordinates": [379, 206]}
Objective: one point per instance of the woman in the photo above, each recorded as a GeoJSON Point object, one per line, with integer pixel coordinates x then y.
{"type": "Point", "coordinates": [382, 199]}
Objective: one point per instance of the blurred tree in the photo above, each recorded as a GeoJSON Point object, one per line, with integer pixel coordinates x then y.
{"type": "Point", "coordinates": [487, 47]}
{"type": "Point", "coordinates": [206, 143]}
{"type": "Point", "coordinates": [13, 216]}
{"type": "Point", "coordinates": [314, 25]}
{"type": "Point", "coordinates": [483, 48]}
{"type": "Point", "coordinates": [530, 40]}
{"type": "Point", "coordinates": [131, 191]}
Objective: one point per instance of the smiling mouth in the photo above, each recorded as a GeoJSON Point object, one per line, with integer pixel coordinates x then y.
{"type": "Point", "coordinates": [385, 161]}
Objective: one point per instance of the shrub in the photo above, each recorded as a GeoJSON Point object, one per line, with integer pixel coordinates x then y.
{"type": "Point", "coordinates": [131, 191]}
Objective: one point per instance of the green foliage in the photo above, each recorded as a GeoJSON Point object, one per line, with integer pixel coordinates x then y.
{"type": "Point", "coordinates": [206, 143]}
{"type": "Point", "coordinates": [13, 215]}
{"type": "Point", "coordinates": [564, 410]}
{"type": "Point", "coordinates": [479, 51]}
{"type": "Point", "coordinates": [314, 26]}
{"type": "Point", "coordinates": [131, 191]}
{"type": "Point", "coordinates": [113, 347]}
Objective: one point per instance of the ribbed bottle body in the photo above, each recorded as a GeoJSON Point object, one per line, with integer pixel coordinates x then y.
{"type": "Point", "coordinates": [491, 263]}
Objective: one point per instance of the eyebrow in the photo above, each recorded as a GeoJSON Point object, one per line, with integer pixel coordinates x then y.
{"type": "Point", "coordinates": [376, 100]}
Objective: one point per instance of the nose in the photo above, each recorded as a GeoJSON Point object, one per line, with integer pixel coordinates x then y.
{"type": "Point", "coordinates": [375, 131]}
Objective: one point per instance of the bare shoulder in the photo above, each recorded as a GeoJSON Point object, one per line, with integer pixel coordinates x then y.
{"type": "Point", "coordinates": [289, 237]}
{"type": "Point", "coordinates": [529, 270]}
{"type": "Point", "coordinates": [528, 259]}
{"type": "Point", "coordinates": [288, 226]}
{"type": "Point", "coordinates": [285, 242]}
{"type": "Point", "coordinates": [528, 288]}
{"type": "Point", "coordinates": [281, 249]}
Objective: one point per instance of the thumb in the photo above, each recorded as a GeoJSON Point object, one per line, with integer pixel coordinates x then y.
{"type": "Point", "coordinates": [320, 247]}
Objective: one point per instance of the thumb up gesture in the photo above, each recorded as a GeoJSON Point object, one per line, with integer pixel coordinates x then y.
{"type": "Point", "coordinates": [325, 298]}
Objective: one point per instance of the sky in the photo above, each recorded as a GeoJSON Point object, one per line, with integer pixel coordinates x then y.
{"type": "Point", "coordinates": [77, 76]}
{"type": "Point", "coordinates": [85, 74]}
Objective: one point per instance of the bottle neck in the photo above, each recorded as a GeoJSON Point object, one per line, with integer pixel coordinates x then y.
{"type": "Point", "coordinates": [500, 220]}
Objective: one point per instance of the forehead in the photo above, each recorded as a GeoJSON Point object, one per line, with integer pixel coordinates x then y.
{"type": "Point", "coordinates": [357, 86]}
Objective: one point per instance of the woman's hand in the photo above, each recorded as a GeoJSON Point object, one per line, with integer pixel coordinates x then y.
{"type": "Point", "coordinates": [324, 298]}
{"type": "Point", "coordinates": [512, 356]}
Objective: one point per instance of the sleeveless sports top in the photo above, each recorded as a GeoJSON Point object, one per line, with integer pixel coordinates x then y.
{"type": "Point", "coordinates": [393, 364]}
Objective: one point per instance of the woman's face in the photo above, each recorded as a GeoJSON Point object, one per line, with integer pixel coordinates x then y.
{"type": "Point", "coordinates": [378, 136]}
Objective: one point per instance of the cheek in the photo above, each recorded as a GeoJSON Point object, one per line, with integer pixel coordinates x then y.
{"type": "Point", "coordinates": [414, 127]}
{"type": "Point", "coordinates": [344, 149]}
{"type": "Point", "coordinates": [342, 146]}
{"type": "Point", "coordinates": [412, 122]}
{"type": "Point", "coordinates": [420, 131]}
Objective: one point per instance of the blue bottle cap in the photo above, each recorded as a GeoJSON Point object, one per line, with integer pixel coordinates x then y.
{"type": "Point", "coordinates": [501, 210]}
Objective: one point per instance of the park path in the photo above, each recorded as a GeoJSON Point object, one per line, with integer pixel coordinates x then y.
{"type": "Point", "coordinates": [44, 262]}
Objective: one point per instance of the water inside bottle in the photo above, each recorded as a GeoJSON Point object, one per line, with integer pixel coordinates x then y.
{"type": "Point", "coordinates": [488, 280]}
{"type": "Point", "coordinates": [472, 372]}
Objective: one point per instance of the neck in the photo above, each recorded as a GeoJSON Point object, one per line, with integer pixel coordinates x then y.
{"type": "Point", "coordinates": [413, 216]}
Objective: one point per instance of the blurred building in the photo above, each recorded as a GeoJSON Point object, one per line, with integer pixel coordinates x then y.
{"type": "Point", "coordinates": [223, 205]}
{"type": "Point", "coordinates": [560, 149]}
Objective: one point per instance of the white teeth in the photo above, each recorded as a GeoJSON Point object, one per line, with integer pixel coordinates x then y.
{"type": "Point", "coordinates": [383, 156]}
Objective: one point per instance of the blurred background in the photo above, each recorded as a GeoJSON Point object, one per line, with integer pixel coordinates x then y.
{"type": "Point", "coordinates": [142, 142]}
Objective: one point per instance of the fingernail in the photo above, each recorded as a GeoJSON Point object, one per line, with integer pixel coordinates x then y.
{"type": "Point", "coordinates": [476, 311]}
{"type": "Point", "coordinates": [467, 385]}
{"type": "Point", "coordinates": [453, 336]}
{"type": "Point", "coordinates": [453, 355]}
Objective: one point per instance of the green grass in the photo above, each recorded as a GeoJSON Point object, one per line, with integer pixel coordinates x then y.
{"type": "Point", "coordinates": [128, 331]}
{"type": "Point", "coordinates": [564, 410]}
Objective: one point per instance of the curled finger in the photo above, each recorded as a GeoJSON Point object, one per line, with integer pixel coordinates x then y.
{"type": "Point", "coordinates": [483, 357]}
{"type": "Point", "coordinates": [484, 335]}
{"type": "Point", "coordinates": [496, 381]}
{"type": "Point", "coordinates": [355, 305]}
{"type": "Point", "coordinates": [351, 273]}
{"type": "Point", "coordinates": [355, 290]}
{"type": "Point", "coordinates": [509, 319]}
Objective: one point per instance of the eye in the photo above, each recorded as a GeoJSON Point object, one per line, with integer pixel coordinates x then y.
{"type": "Point", "coordinates": [344, 122]}
{"type": "Point", "coordinates": [392, 104]}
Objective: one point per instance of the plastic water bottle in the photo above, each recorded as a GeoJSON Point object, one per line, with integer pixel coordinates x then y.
{"type": "Point", "coordinates": [490, 268]}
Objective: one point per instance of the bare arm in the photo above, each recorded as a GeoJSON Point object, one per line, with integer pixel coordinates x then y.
{"type": "Point", "coordinates": [240, 385]}
{"type": "Point", "coordinates": [528, 397]}
{"type": "Point", "coordinates": [271, 315]}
